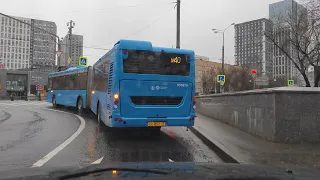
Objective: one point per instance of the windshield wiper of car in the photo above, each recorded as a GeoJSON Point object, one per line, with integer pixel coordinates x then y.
{"type": "Point", "coordinates": [86, 173]}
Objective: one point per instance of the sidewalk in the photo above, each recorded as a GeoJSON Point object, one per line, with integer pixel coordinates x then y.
{"type": "Point", "coordinates": [248, 149]}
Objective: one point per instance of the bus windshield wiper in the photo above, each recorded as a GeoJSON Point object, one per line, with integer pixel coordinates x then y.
{"type": "Point", "coordinates": [86, 173]}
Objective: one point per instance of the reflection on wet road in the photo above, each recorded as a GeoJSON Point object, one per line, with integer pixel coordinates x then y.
{"type": "Point", "coordinates": [123, 145]}
{"type": "Point", "coordinates": [28, 132]}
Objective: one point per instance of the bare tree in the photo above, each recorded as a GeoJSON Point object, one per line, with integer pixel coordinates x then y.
{"type": "Point", "coordinates": [238, 78]}
{"type": "Point", "coordinates": [208, 81]}
{"type": "Point", "coordinates": [313, 7]}
{"type": "Point", "coordinates": [297, 37]}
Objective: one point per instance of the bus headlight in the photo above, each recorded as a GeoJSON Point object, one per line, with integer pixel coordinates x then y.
{"type": "Point", "coordinates": [115, 106]}
{"type": "Point", "coordinates": [194, 107]}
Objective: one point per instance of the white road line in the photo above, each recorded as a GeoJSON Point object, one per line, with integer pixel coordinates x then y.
{"type": "Point", "coordinates": [98, 161]}
{"type": "Point", "coordinates": [36, 103]}
{"type": "Point", "coordinates": [64, 144]}
{"type": "Point", "coordinates": [170, 160]}
{"type": "Point", "coordinates": [22, 104]}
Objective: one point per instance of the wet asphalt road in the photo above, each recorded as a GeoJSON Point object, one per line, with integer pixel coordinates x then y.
{"type": "Point", "coordinates": [30, 130]}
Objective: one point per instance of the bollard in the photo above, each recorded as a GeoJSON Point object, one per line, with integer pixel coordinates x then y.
{"type": "Point", "coordinates": [11, 97]}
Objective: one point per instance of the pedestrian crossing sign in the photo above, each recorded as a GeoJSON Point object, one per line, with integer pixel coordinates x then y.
{"type": "Point", "coordinates": [221, 78]}
{"type": "Point", "coordinates": [83, 61]}
{"type": "Point", "coordinates": [290, 82]}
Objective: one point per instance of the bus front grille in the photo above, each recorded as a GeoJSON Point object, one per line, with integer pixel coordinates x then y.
{"type": "Point", "coordinates": [156, 100]}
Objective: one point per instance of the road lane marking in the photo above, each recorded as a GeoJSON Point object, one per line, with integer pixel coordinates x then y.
{"type": "Point", "coordinates": [54, 152]}
{"type": "Point", "coordinates": [98, 161]}
{"type": "Point", "coordinates": [170, 160]}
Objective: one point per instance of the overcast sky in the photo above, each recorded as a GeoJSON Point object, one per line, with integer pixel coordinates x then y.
{"type": "Point", "coordinates": [104, 22]}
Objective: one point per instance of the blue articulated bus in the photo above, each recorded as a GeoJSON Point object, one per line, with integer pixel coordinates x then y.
{"type": "Point", "coordinates": [137, 85]}
{"type": "Point", "coordinates": [69, 87]}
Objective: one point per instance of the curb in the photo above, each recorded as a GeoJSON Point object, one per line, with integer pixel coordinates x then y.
{"type": "Point", "coordinates": [221, 154]}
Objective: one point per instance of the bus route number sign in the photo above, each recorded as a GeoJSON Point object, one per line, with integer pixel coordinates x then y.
{"type": "Point", "coordinates": [176, 60]}
{"type": "Point", "coordinates": [83, 61]}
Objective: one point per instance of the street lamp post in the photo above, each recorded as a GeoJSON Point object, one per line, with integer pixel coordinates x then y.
{"type": "Point", "coordinates": [222, 60]}
{"type": "Point", "coordinates": [222, 32]}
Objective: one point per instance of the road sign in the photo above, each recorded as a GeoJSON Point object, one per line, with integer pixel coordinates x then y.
{"type": "Point", "coordinates": [83, 61]}
{"type": "Point", "coordinates": [253, 72]}
{"type": "Point", "coordinates": [290, 82]}
{"type": "Point", "coordinates": [221, 78]}
{"type": "Point", "coordinates": [262, 81]}
{"type": "Point", "coordinates": [59, 53]}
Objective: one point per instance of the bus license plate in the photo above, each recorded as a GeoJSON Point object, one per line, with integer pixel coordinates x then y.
{"type": "Point", "coordinates": [158, 124]}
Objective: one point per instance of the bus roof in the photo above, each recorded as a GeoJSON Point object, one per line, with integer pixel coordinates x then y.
{"type": "Point", "coordinates": [146, 46]}
{"type": "Point", "coordinates": [69, 70]}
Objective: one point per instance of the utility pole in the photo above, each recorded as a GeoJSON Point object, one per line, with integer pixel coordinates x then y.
{"type": "Point", "coordinates": [178, 23]}
{"type": "Point", "coordinates": [70, 25]}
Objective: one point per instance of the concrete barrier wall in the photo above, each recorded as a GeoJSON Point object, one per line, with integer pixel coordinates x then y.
{"type": "Point", "coordinates": [286, 115]}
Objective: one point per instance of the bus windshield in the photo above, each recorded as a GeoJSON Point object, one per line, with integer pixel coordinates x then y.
{"type": "Point", "coordinates": [148, 62]}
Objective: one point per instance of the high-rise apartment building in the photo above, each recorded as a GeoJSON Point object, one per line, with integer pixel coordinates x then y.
{"type": "Point", "coordinates": [76, 50]}
{"type": "Point", "coordinates": [15, 43]}
{"type": "Point", "coordinates": [252, 48]}
{"type": "Point", "coordinates": [281, 13]}
{"type": "Point", "coordinates": [43, 43]}
{"type": "Point", "coordinates": [23, 46]}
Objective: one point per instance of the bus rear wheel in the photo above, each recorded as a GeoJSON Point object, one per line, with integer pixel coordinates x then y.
{"type": "Point", "coordinates": [54, 102]}
{"type": "Point", "coordinates": [98, 113]}
{"type": "Point", "coordinates": [79, 105]}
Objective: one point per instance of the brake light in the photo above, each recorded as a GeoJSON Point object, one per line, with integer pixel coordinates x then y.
{"type": "Point", "coordinates": [125, 52]}
{"type": "Point", "coordinates": [194, 100]}
{"type": "Point", "coordinates": [115, 100]}
{"type": "Point", "coordinates": [188, 57]}
{"type": "Point", "coordinates": [191, 119]}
